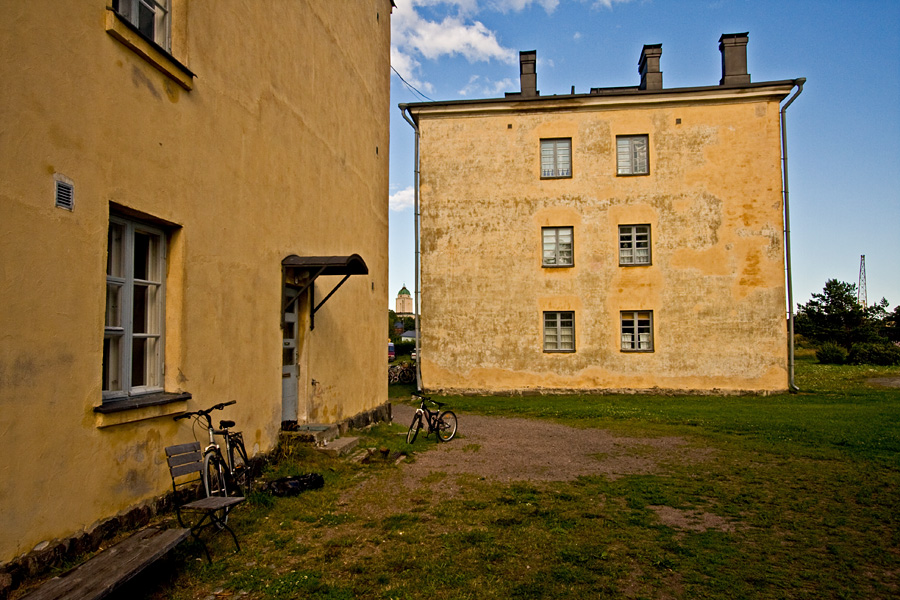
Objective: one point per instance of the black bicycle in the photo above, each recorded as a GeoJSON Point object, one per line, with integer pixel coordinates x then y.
{"type": "Point", "coordinates": [443, 423]}
{"type": "Point", "coordinates": [218, 473]}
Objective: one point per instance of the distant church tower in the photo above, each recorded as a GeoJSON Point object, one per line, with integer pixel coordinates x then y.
{"type": "Point", "coordinates": [404, 303]}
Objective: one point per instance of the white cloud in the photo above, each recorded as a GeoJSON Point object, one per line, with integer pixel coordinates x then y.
{"type": "Point", "coordinates": [483, 87]}
{"type": "Point", "coordinates": [577, 35]}
{"type": "Point", "coordinates": [608, 3]}
{"type": "Point", "coordinates": [407, 67]}
{"type": "Point", "coordinates": [519, 5]}
{"type": "Point", "coordinates": [414, 37]}
{"type": "Point", "coordinates": [402, 200]}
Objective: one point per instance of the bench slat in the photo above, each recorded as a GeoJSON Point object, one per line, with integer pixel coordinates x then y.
{"type": "Point", "coordinates": [182, 459]}
{"type": "Point", "coordinates": [213, 503]}
{"type": "Point", "coordinates": [187, 469]}
{"type": "Point", "coordinates": [182, 448]}
{"type": "Point", "coordinates": [109, 570]}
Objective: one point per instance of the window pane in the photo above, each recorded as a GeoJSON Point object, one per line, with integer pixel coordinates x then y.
{"type": "Point", "coordinates": [115, 259]}
{"type": "Point", "coordinates": [141, 255]}
{"type": "Point", "coordinates": [547, 158]}
{"type": "Point", "coordinates": [563, 158]}
{"type": "Point", "coordinates": [623, 156]}
{"type": "Point", "coordinates": [162, 24]}
{"type": "Point", "coordinates": [138, 362]}
{"type": "Point", "coordinates": [145, 367]}
{"type": "Point", "coordinates": [113, 305]}
{"type": "Point", "coordinates": [139, 309]}
{"type": "Point", "coordinates": [640, 155]}
{"type": "Point", "coordinates": [146, 22]}
{"type": "Point", "coordinates": [112, 363]}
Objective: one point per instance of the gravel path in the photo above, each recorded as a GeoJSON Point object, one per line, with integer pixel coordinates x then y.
{"type": "Point", "coordinates": [515, 449]}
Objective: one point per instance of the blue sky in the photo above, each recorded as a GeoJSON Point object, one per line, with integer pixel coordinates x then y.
{"type": "Point", "coordinates": [843, 130]}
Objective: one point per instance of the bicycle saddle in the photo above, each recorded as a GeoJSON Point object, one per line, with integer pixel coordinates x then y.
{"type": "Point", "coordinates": [226, 424]}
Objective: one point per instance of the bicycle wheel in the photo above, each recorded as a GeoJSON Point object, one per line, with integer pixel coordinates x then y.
{"type": "Point", "coordinates": [214, 482]}
{"type": "Point", "coordinates": [408, 375]}
{"type": "Point", "coordinates": [240, 468]}
{"type": "Point", "coordinates": [446, 426]}
{"type": "Point", "coordinates": [414, 428]}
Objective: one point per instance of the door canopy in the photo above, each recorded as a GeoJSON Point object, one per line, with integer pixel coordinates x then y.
{"type": "Point", "coordinates": [301, 272]}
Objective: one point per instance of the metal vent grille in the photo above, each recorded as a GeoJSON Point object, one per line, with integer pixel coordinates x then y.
{"type": "Point", "coordinates": [65, 195]}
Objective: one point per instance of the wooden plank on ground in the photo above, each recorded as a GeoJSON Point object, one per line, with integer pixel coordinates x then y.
{"type": "Point", "coordinates": [109, 570]}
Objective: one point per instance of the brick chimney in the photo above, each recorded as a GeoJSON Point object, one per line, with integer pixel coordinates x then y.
{"type": "Point", "coordinates": [528, 72]}
{"type": "Point", "coordinates": [648, 67]}
{"type": "Point", "coordinates": [733, 47]}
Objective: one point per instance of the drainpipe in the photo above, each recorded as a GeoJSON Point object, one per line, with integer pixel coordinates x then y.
{"type": "Point", "coordinates": [787, 235]}
{"type": "Point", "coordinates": [404, 110]}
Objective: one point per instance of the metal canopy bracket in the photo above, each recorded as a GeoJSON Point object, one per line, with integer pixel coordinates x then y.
{"type": "Point", "coordinates": [314, 267]}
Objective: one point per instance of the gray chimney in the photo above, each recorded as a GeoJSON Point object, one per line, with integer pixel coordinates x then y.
{"type": "Point", "coordinates": [528, 72]}
{"type": "Point", "coordinates": [648, 67]}
{"type": "Point", "coordinates": [733, 47]}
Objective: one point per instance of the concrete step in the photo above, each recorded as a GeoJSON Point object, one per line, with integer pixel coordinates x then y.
{"type": "Point", "coordinates": [339, 447]}
{"type": "Point", "coordinates": [313, 433]}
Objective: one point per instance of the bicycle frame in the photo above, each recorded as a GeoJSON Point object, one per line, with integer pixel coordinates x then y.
{"type": "Point", "coordinates": [440, 422]}
{"type": "Point", "coordinates": [228, 436]}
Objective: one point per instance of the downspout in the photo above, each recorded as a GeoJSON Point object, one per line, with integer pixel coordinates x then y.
{"type": "Point", "coordinates": [787, 235]}
{"type": "Point", "coordinates": [404, 110]}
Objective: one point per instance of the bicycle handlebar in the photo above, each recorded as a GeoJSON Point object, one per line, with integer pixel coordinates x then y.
{"type": "Point", "coordinates": [205, 413]}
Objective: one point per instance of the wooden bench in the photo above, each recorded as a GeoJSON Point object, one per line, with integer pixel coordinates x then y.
{"type": "Point", "coordinates": [186, 467]}
{"type": "Point", "coordinates": [110, 569]}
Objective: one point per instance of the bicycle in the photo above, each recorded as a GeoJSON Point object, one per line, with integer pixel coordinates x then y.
{"type": "Point", "coordinates": [402, 373]}
{"type": "Point", "coordinates": [443, 423]}
{"type": "Point", "coordinates": [218, 473]}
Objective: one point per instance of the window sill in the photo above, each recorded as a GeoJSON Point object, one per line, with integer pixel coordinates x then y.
{"type": "Point", "coordinates": [556, 177]}
{"type": "Point", "coordinates": [140, 408]}
{"type": "Point", "coordinates": [632, 174]}
{"type": "Point", "coordinates": [125, 32]}
{"type": "Point", "coordinates": [637, 351]}
{"type": "Point", "coordinates": [635, 264]}
{"type": "Point", "coordinates": [557, 266]}
{"type": "Point", "coordinates": [559, 352]}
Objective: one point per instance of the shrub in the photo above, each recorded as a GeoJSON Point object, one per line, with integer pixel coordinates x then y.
{"type": "Point", "coordinates": [402, 348]}
{"type": "Point", "coordinates": [831, 353]}
{"type": "Point", "coordinates": [874, 354]}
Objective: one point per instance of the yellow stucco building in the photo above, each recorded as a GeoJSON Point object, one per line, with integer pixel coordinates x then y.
{"type": "Point", "coordinates": [625, 239]}
{"type": "Point", "coordinates": [182, 184]}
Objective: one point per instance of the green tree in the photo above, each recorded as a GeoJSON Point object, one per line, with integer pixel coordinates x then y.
{"type": "Point", "coordinates": [835, 316]}
{"type": "Point", "coordinates": [890, 325]}
{"type": "Point", "coordinates": [392, 322]}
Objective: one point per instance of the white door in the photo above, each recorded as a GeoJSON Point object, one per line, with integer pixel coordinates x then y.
{"type": "Point", "coordinates": [289, 369]}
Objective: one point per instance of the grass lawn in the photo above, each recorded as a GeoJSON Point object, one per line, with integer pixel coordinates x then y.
{"type": "Point", "coordinates": [799, 497]}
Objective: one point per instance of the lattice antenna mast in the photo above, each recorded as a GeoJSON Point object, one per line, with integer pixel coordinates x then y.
{"type": "Point", "coordinates": [861, 290]}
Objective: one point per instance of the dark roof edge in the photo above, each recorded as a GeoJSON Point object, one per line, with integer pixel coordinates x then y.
{"type": "Point", "coordinates": [599, 93]}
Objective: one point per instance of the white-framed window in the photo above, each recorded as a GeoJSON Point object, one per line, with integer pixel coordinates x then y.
{"type": "Point", "coordinates": [556, 158]}
{"type": "Point", "coordinates": [150, 17]}
{"type": "Point", "coordinates": [557, 245]}
{"type": "Point", "coordinates": [135, 309]}
{"type": "Point", "coordinates": [637, 331]}
{"type": "Point", "coordinates": [632, 155]}
{"type": "Point", "coordinates": [634, 244]}
{"type": "Point", "coordinates": [559, 331]}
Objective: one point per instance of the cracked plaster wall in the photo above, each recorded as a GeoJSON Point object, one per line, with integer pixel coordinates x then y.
{"type": "Point", "coordinates": [715, 286]}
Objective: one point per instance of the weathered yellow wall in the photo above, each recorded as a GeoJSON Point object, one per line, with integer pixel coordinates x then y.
{"type": "Point", "coordinates": [716, 284]}
{"type": "Point", "coordinates": [280, 148]}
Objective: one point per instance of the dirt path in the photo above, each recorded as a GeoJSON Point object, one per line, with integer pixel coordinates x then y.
{"type": "Point", "coordinates": [513, 449]}
{"type": "Point", "coordinates": [893, 382]}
